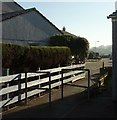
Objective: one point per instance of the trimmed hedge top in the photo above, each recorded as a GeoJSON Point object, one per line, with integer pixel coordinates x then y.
{"type": "Point", "coordinates": [30, 58]}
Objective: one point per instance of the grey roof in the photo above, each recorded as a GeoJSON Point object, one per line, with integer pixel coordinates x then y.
{"type": "Point", "coordinates": [11, 15]}
{"type": "Point", "coordinates": [11, 1]}
{"type": "Point", "coordinates": [113, 15]}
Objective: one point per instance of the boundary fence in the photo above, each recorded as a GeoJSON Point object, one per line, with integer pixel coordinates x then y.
{"type": "Point", "coordinates": [20, 87]}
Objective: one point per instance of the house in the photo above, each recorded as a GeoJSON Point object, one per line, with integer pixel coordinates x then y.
{"type": "Point", "coordinates": [11, 6]}
{"type": "Point", "coordinates": [25, 26]}
{"type": "Point", "coordinates": [113, 16]}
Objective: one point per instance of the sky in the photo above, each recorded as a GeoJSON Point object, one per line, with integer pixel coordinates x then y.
{"type": "Point", "coordinates": [84, 19]}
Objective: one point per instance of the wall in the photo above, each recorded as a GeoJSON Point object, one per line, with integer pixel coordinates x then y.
{"type": "Point", "coordinates": [114, 49]}
{"type": "Point", "coordinates": [28, 28]}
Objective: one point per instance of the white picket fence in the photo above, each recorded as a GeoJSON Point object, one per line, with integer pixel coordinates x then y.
{"type": "Point", "coordinates": [36, 83]}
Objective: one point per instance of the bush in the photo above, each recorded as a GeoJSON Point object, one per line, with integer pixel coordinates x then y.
{"type": "Point", "coordinates": [79, 46]}
{"type": "Point", "coordinates": [30, 58]}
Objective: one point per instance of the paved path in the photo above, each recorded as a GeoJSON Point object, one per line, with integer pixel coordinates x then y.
{"type": "Point", "coordinates": [60, 107]}
{"type": "Point", "coordinates": [74, 105]}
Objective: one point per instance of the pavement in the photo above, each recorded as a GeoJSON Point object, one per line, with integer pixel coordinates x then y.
{"type": "Point", "coordinates": [75, 104]}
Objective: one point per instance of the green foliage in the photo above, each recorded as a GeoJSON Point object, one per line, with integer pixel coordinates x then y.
{"type": "Point", "coordinates": [93, 55]}
{"type": "Point", "coordinates": [79, 46]}
{"type": "Point", "coordinates": [30, 58]}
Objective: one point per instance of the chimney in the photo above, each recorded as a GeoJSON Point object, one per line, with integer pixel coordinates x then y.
{"type": "Point", "coordinates": [64, 29]}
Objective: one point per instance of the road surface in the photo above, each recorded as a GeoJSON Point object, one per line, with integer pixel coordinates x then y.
{"type": "Point", "coordinates": [95, 66]}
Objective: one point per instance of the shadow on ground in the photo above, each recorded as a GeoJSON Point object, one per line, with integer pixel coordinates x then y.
{"type": "Point", "coordinates": [75, 105]}
{"type": "Point", "coordinates": [56, 109]}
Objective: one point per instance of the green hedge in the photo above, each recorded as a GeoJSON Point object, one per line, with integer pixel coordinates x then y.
{"type": "Point", "coordinates": [30, 58]}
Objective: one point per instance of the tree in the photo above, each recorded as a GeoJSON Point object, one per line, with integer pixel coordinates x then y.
{"type": "Point", "coordinates": [79, 46]}
{"type": "Point", "coordinates": [93, 55]}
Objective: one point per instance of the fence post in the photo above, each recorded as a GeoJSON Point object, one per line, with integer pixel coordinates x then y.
{"type": "Point", "coordinates": [59, 74]}
{"type": "Point", "coordinates": [88, 84]}
{"type": "Point", "coordinates": [61, 84]}
{"type": "Point", "coordinates": [39, 84]}
{"type": "Point", "coordinates": [26, 100]}
{"type": "Point", "coordinates": [7, 71]}
{"type": "Point", "coordinates": [7, 95]}
{"type": "Point", "coordinates": [103, 65]}
{"type": "Point", "coordinates": [49, 87]}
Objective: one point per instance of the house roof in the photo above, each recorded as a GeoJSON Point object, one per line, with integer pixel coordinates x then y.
{"type": "Point", "coordinates": [11, 15]}
{"type": "Point", "coordinates": [14, 6]}
{"type": "Point", "coordinates": [18, 5]}
{"type": "Point", "coordinates": [113, 15]}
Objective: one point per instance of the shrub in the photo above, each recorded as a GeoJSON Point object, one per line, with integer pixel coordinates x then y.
{"type": "Point", "coordinates": [79, 46]}
{"type": "Point", "coordinates": [30, 58]}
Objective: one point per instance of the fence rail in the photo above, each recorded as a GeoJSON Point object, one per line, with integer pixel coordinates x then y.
{"type": "Point", "coordinates": [18, 87]}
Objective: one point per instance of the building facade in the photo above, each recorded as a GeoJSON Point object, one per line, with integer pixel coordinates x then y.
{"type": "Point", "coordinates": [25, 26]}
{"type": "Point", "coordinates": [113, 17]}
